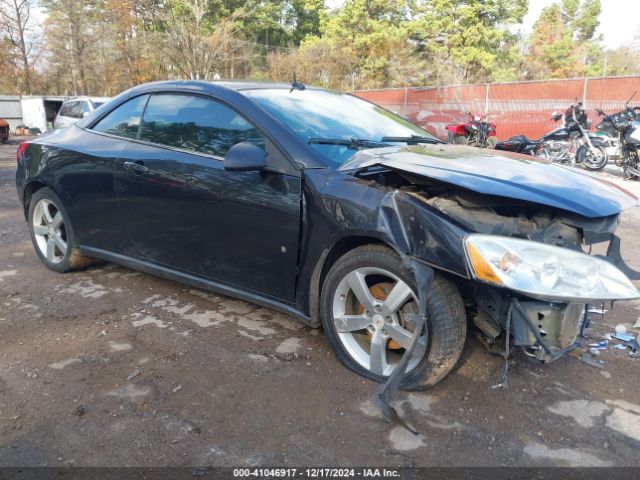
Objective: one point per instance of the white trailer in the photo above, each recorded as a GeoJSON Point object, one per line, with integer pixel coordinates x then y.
{"type": "Point", "coordinates": [40, 111]}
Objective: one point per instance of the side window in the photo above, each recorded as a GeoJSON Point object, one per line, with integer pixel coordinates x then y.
{"type": "Point", "coordinates": [78, 109]}
{"type": "Point", "coordinates": [65, 111]}
{"type": "Point", "coordinates": [124, 120]}
{"type": "Point", "coordinates": [84, 109]}
{"type": "Point", "coordinates": [195, 123]}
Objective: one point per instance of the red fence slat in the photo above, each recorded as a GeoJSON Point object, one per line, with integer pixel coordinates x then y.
{"type": "Point", "coordinates": [519, 107]}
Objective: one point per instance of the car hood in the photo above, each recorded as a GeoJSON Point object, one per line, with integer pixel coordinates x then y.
{"type": "Point", "coordinates": [504, 174]}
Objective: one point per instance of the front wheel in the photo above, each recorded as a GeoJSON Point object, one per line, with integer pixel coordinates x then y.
{"type": "Point", "coordinates": [365, 299]}
{"type": "Point", "coordinates": [492, 142]}
{"type": "Point", "coordinates": [592, 159]}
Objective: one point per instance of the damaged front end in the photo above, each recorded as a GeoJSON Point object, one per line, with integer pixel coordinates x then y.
{"type": "Point", "coordinates": [526, 252]}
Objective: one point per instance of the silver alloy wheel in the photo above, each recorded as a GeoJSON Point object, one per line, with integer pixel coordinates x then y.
{"type": "Point", "coordinates": [595, 159]}
{"type": "Point", "coordinates": [49, 231]}
{"type": "Point", "coordinates": [366, 325]}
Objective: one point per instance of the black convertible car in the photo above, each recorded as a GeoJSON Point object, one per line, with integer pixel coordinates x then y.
{"type": "Point", "coordinates": [331, 209]}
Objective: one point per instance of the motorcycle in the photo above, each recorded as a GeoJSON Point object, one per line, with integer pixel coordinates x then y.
{"type": "Point", "coordinates": [572, 143]}
{"type": "Point", "coordinates": [477, 132]}
{"type": "Point", "coordinates": [626, 125]}
{"type": "Point", "coordinates": [608, 142]}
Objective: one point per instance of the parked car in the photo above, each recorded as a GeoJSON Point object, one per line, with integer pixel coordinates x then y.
{"type": "Point", "coordinates": [76, 108]}
{"type": "Point", "coordinates": [331, 209]}
{"type": "Point", "coordinates": [4, 130]}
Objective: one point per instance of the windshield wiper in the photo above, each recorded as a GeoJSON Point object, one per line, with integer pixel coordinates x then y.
{"type": "Point", "coordinates": [351, 143]}
{"type": "Point", "coordinates": [412, 140]}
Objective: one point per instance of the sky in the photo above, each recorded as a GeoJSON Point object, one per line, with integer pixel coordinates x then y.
{"type": "Point", "coordinates": [619, 20]}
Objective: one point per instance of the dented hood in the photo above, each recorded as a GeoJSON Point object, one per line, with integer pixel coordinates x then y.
{"type": "Point", "coordinates": [493, 172]}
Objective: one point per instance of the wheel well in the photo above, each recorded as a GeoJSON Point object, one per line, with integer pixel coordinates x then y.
{"type": "Point", "coordinates": [29, 190]}
{"type": "Point", "coordinates": [327, 259]}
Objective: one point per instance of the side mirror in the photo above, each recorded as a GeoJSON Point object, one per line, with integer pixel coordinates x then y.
{"type": "Point", "coordinates": [246, 157]}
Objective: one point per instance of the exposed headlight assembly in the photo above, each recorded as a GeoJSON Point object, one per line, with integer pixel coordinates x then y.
{"type": "Point", "coordinates": [545, 271]}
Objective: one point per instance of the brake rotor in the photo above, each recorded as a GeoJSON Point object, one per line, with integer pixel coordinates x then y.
{"type": "Point", "coordinates": [380, 291]}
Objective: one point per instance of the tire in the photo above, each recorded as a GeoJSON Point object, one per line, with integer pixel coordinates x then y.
{"type": "Point", "coordinates": [585, 157]}
{"type": "Point", "coordinates": [52, 234]}
{"type": "Point", "coordinates": [381, 267]}
{"type": "Point", "coordinates": [460, 140]}
{"type": "Point", "coordinates": [628, 175]}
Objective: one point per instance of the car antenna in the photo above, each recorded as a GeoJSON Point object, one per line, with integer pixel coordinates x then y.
{"type": "Point", "coordinates": [296, 85]}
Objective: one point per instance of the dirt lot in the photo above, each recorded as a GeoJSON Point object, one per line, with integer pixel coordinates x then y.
{"type": "Point", "coordinates": [113, 367]}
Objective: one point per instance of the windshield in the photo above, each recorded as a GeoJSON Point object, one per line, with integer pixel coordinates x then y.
{"type": "Point", "coordinates": [322, 114]}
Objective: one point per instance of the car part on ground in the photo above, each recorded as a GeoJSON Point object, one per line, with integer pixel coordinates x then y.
{"type": "Point", "coordinates": [249, 206]}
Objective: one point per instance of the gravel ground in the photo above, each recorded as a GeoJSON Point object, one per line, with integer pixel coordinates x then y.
{"type": "Point", "coordinates": [111, 367]}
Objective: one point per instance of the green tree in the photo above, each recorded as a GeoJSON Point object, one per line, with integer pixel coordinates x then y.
{"type": "Point", "coordinates": [563, 42]}
{"type": "Point", "coordinates": [371, 32]}
{"type": "Point", "coordinates": [468, 40]}
{"type": "Point", "coordinates": [624, 60]}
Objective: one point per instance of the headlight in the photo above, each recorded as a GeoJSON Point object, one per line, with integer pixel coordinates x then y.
{"type": "Point", "coordinates": [545, 271]}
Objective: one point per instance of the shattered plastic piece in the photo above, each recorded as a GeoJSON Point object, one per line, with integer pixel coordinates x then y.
{"type": "Point", "coordinates": [594, 351]}
{"type": "Point", "coordinates": [633, 345]}
{"type": "Point", "coordinates": [607, 336]}
{"type": "Point", "coordinates": [382, 397]}
{"type": "Point", "coordinates": [619, 346]}
{"type": "Point", "coordinates": [586, 358]}
{"type": "Point", "coordinates": [621, 329]}
{"type": "Point", "coordinates": [625, 337]}
{"type": "Point", "coordinates": [601, 345]}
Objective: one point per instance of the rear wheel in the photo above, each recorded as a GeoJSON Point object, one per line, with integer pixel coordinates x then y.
{"type": "Point", "coordinates": [460, 140]}
{"type": "Point", "coordinates": [52, 235]}
{"type": "Point", "coordinates": [592, 159]}
{"type": "Point", "coordinates": [365, 300]}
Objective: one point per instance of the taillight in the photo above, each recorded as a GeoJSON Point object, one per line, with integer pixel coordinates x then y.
{"type": "Point", "coordinates": [21, 148]}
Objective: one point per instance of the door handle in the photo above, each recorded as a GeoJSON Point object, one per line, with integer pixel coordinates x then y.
{"type": "Point", "coordinates": [136, 167]}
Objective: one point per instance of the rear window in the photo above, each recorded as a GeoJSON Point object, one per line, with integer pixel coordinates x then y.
{"type": "Point", "coordinates": [65, 110]}
{"type": "Point", "coordinates": [124, 121]}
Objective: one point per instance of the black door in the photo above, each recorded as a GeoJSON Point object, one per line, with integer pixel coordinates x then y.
{"type": "Point", "coordinates": [184, 211]}
{"type": "Point", "coordinates": [88, 187]}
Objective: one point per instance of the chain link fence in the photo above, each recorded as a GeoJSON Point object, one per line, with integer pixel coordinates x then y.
{"type": "Point", "coordinates": [516, 108]}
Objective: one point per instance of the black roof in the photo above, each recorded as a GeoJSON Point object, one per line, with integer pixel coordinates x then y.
{"type": "Point", "coordinates": [205, 85]}
{"type": "Point", "coordinates": [253, 85]}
